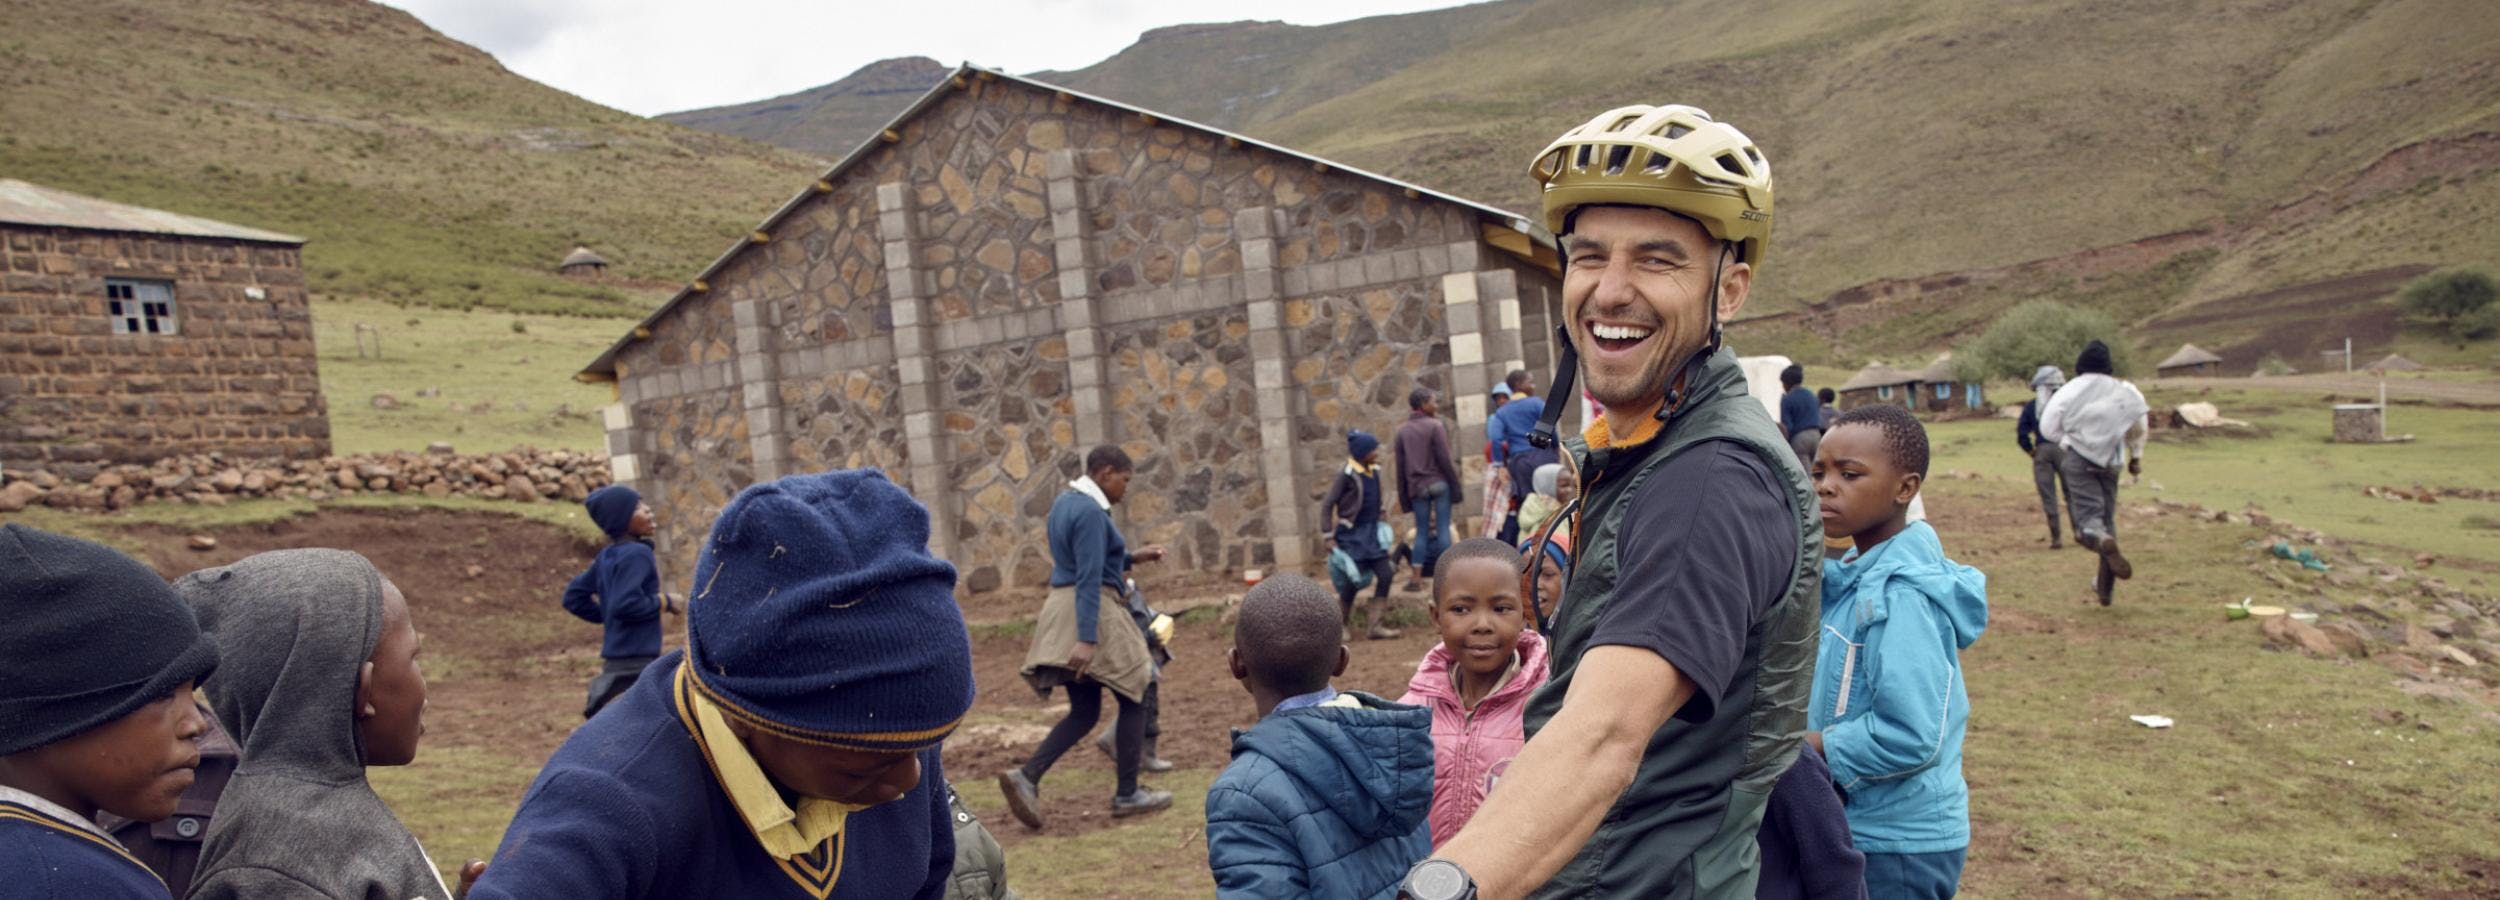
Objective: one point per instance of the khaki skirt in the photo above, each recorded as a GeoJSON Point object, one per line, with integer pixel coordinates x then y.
{"type": "Point", "coordinates": [1121, 661]}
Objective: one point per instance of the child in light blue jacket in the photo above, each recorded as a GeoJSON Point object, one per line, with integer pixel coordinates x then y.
{"type": "Point", "coordinates": [1889, 708]}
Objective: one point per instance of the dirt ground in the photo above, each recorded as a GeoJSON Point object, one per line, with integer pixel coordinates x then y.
{"type": "Point", "coordinates": [506, 661]}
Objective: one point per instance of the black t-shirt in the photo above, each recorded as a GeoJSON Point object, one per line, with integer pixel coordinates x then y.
{"type": "Point", "coordinates": [1705, 549]}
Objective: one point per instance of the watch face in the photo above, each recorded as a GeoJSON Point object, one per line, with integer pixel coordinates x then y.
{"type": "Point", "coordinates": [1436, 879]}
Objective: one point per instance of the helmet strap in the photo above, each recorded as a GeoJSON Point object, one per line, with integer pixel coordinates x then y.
{"type": "Point", "coordinates": [1675, 392]}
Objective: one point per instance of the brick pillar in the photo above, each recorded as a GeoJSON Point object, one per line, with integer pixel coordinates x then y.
{"type": "Point", "coordinates": [759, 384]}
{"type": "Point", "coordinates": [913, 368]}
{"type": "Point", "coordinates": [624, 467]}
{"type": "Point", "coordinates": [1291, 538]}
{"type": "Point", "coordinates": [1077, 308]}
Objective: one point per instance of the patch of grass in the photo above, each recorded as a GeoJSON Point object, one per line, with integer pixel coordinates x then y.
{"type": "Point", "coordinates": [108, 528]}
{"type": "Point", "coordinates": [2291, 471]}
{"type": "Point", "coordinates": [494, 387]}
{"type": "Point", "coordinates": [1160, 855]}
{"type": "Point", "coordinates": [457, 799]}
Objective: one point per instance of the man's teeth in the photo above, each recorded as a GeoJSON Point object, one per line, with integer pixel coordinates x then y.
{"type": "Point", "coordinates": [1619, 332]}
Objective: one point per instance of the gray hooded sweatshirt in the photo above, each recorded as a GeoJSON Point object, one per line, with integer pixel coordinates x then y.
{"type": "Point", "coordinates": [298, 819]}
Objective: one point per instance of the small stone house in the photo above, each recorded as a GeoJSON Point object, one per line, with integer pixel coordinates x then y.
{"type": "Point", "coordinates": [2190, 362]}
{"type": "Point", "coordinates": [130, 334]}
{"type": "Point", "coordinates": [1011, 272]}
{"type": "Point", "coordinates": [1931, 389]}
{"type": "Point", "coordinates": [583, 264]}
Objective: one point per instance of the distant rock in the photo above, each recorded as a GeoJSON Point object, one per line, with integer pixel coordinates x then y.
{"type": "Point", "coordinates": [202, 543]}
{"type": "Point", "coordinates": [385, 402]}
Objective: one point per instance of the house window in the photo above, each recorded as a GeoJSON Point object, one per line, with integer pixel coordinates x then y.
{"type": "Point", "coordinates": [141, 307]}
{"type": "Point", "coordinates": [1944, 390]}
{"type": "Point", "coordinates": [1883, 393]}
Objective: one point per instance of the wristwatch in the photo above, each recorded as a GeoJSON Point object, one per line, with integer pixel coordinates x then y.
{"type": "Point", "coordinates": [1437, 879]}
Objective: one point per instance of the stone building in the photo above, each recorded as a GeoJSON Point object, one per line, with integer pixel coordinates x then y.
{"type": "Point", "coordinates": [130, 334]}
{"type": "Point", "coordinates": [582, 263]}
{"type": "Point", "coordinates": [1011, 273]}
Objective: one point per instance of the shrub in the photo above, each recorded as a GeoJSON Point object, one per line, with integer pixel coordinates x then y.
{"type": "Point", "coordinates": [2443, 298]}
{"type": "Point", "coordinates": [2041, 333]}
{"type": "Point", "coordinates": [520, 327]}
{"type": "Point", "coordinates": [2476, 325]}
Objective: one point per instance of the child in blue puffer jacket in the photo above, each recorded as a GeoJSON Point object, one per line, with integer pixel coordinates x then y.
{"type": "Point", "coordinates": [1889, 709]}
{"type": "Point", "coordinates": [1327, 795]}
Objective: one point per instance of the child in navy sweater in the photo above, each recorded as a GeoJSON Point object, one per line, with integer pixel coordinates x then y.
{"type": "Point", "coordinates": [791, 749]}
{"type": "Point", "coordinates": [620, 591]}
{"type": "Point", "coordinates": [99, 657]}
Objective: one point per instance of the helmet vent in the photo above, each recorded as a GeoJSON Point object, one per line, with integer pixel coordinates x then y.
{"type": "Point", "coordinates": [1582, 161]}
{"type": "Point", "coordinates": [1658, 163]}
{"type": "Point", "coordinates": [1616, 157]}
{"type": "Point", "coordinates": [1677, 130]}
{"type": "Point", "coordinates": [1727, 161]}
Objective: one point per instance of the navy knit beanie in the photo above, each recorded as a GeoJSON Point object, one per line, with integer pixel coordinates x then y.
{"type": "Point", "coordinates": [87, 636]}
{"type": "Point", "coordinates": [819, 615]}
{"type": "Point", "coordinates": [612, 508]}
{"type": "Point", "coordinates": [1359, 442]}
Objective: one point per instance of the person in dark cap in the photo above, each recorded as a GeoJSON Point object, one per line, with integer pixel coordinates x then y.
{"type": "Point", "coordinates": [621, 592]}
{"type": "Point", "coordinates": [791, 748]}
{"type": "Point", "coordinates": [2098, 423]}
{"type": "Point", "coordinates": [1361, 555]}
{"type": "Point", "coordinates": [98, 658]}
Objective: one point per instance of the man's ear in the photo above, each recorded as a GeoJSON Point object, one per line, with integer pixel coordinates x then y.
{"type": "Point", "coordinates": [1735, 285]}
{"type": "Point", "coordinates": [1232, 660]}
{"type": "Point", "coordinates": [1343, 657]}
{"type": "Point", "coordinates": [1910, 484]}
{"type": "Point", "coordinates": [364, 690]}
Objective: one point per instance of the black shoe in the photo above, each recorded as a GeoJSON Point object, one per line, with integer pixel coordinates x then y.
{"type": "Point", "coordinates": [1140, 803]}
{"type": "Point", "coordinates": [1146, 762]}
{"type": "Point", "coordinates": [2118, 566]}
{"type": "Point", "coordinates": [1023, 797]}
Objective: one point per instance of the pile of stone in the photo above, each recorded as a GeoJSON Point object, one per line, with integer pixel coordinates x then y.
{"type": "Point", "coordinates": [523, 474]}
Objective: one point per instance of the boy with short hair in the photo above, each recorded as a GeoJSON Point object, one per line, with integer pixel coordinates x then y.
{"type": "Point", "coordinates": [1889, 708]}
{"type": "Point", "coordinates": [98, 659]}
{"type": "Point", "coordinates": [1328, 794]}
{"type": "Point", "coordinates": [791, 748]}
{"type": "Point", "coordinates": [620, 592]}
{"type": "Point", "coordinates": [1477, 680]}
{"type": "Point", "coordinates": [1363, 552]}
{"type": "Point", "coordinates": [320, 681]}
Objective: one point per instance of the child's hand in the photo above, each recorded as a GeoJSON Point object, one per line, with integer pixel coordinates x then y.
{"type": "Point", "coordinates": [1081, 658]}
{"type": "Point", "coordinates": [1152, 553]}
{"type": "Point", "coordinates": [2135, 466]}
{"type": "Point", "coordinates": [672, 604]}
{"type": "Point", "coordinates": [470, 872]}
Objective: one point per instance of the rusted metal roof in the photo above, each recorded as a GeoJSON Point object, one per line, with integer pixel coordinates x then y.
{"type": "Point", "coordinates": [24, 203]}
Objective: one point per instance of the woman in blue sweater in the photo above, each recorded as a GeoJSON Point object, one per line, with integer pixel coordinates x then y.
{"type": "Point", "coordinates": [620, 591]}
{"type": "Point", "coordinates": [1084, 640]}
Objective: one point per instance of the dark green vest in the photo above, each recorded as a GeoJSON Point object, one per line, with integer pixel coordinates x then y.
{"type": "Point", "coordinates": [1686, 826]}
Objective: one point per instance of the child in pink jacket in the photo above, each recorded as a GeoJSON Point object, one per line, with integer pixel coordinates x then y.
{"type": "Point", "coordinates": [1478, 681]}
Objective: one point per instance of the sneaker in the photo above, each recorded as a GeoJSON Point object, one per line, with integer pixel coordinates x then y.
{"type": "Point", "coordinates": [1140, 803]}
{"type": "Point", "coordinates": [1382, 633]}
{"type": "Point", "coordinates": [1413, 586]}
{"type": "Point", "coordinates": [1023, 797]}
{"type": "Point", "coordinates": [2118, 565]}
{"type": "Point", "coordinates": [1148, 762]}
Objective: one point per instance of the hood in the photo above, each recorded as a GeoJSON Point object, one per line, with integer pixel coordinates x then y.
{"type": "Point", "coordinates": [1371, 765]}
{"type": "Point", "coordinates": [294, 628]}
{"type": "Point", "coordinates": [1432, 676]}
{"type": "Point", "coordinates": [1916, 558]}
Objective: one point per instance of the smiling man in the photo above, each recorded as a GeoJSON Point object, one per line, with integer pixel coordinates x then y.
{"type": "Point", "coordinates": [1683, 647]}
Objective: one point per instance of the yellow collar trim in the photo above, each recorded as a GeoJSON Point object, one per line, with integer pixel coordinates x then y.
{"type": "Point", "coordinates": [14, 811]}
{"type": "Point", "coordinates": [1357, 467]}
{"type": "Point", "coordinates": [806, 841]}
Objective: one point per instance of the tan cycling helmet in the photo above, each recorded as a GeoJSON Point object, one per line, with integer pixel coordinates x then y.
{"type": "Point", "coordinates": [1674, 158]}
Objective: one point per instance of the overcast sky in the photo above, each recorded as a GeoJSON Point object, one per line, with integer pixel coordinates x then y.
{"type": "Point", "coordinates": [656, 56]}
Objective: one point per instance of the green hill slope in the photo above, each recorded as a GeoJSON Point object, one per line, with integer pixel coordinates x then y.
{"type": "Point", "coordinates": [421, 169]}
{"type": "Point", "coordinates": [1914, 138]}
{"type": "Point", "coordinates": [825, 121]}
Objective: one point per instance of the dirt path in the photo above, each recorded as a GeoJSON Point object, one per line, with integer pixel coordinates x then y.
{"type": "Point", "coordinates": [2361, 386]}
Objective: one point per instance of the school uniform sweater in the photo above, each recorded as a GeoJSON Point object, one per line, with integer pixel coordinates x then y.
{"type": "Point", "coordinates": [47, 852]}
{"type": "Point", "coordinates": [620, 591]}
{"type": "Point", "coordinates": [629, 808]}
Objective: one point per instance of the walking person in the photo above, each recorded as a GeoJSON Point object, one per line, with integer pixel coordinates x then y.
{"type": "Point", "coordinates": [1085, 641]}
{"type": "Point", "coordinates": [1801, 416]}
{"type": "Point", "coordinates": [1674, 702]}
{"type": "Point", "coordinates": [2044, 454]}
{"type": "Point", "coordinates": [1427, 479]}
{"type": "Point", "coordinates": [2099, 425]}
{"type": "Point", "coordinates": [1361, 556]}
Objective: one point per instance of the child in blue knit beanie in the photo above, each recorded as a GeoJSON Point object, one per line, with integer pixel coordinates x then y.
{"type": "Point", "coordinates": [620, 592]}
{"type": "Point", "coordinates": [791, 749]}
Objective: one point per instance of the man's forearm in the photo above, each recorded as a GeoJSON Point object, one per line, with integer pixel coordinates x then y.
{"type": "Point", "coordinates": [1563, 782]}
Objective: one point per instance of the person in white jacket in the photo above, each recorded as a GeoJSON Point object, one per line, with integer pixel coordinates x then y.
{"type": "Point", "coordinates": [2099, 422]}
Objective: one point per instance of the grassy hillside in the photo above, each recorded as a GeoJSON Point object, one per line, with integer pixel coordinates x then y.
{"type": "Point", "coordinates": [2304, 142]}
{"type": "Point", "coordinates": [421, 169]}
{"type": "Point", "coordinates": [828, 120]}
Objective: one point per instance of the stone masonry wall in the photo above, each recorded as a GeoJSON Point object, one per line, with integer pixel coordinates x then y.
{"type": "Point", "coordinates": [1015, 273]}
{"type": "Point", "coordinates": [239, 377]}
